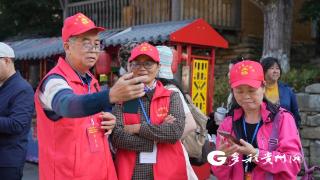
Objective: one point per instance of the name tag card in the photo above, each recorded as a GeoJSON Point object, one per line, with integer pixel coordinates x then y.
{"type": "Point", "coordinates": [93, 132]}
{"type": "Point", "coordinates": [149, 157]}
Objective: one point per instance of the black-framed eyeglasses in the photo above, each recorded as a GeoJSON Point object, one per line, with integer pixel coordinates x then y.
{"type": "Point", "coordinates": [145, 64]}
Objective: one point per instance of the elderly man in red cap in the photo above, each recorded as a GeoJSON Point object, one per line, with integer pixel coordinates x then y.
{"type": "Point", "coordinates": [72, 126]}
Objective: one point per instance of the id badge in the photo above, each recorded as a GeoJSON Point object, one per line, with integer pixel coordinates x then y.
{"type": "Point", "coordinates": [93, 133]}
{"type": "Point", "coordinates": [247, 176]}
{"type": "Point", "coordinates": [149, 157]}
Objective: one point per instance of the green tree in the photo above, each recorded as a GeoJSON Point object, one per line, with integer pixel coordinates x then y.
{"type": "Point", "coordinates": [310, 11]}
{"type": "Point", "coordinates": [30, 18]}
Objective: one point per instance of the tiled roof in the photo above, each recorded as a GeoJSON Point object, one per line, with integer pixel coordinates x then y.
{"type": "Point", "coordinates": [37, 48]}
{"type": "Point", "coordinates": [155, 33]}
{"type": "Point", "coordinates": [32, 49]}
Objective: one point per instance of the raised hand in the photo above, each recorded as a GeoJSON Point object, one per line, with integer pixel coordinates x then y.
{"type": "Point", "coordinates": [127, 88]}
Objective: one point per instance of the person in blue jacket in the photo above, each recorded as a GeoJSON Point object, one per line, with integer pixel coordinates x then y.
{"type": "Point", "coordinates": [16, 111]}
{"type": "Point", "coordinates": [278, 92]}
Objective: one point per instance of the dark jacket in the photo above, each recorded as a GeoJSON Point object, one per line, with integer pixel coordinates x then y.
{"type": "Point", "coordinates": [288, 101]}
{"type": "Point", "coordinates": [16, 111]}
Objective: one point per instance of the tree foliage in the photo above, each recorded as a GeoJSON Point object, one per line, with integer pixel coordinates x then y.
{"type": "Point", "coordinates": [29, 18]}
{"type": "Point", "coordinates": [310, 10]}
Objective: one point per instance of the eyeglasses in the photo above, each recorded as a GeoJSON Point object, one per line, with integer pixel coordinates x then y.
{"type": "Point", "coordinates": [89, 47]}
{"type": "Point", "coordinates": [146, 65]}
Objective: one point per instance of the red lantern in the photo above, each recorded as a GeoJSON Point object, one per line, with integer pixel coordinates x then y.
{"type": "Point", "coordinates": [175, 61]}
{"type": "Point", "coordinates": [103, 65]}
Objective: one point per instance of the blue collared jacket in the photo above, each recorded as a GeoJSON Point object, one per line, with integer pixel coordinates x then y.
{"type": "Point", "coordinates": [288, 101]}
{"type": "Point", "coordinates": [16, 111]}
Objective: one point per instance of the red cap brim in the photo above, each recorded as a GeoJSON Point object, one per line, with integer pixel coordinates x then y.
{"type": "Point", "coordinates": [134, 57]}
{"type": "Point", "coordinates": [249, 82]}
{"type": "Point", "coordinates": [100, 29]}
{"type": "Point", "coordinates": [88, 29]}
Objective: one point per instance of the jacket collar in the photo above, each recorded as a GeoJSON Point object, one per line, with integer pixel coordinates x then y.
{"type": "Point", "coordinates": [11, 78]}
{"type": "Point", "coordinates": [67, 70]}
{"type": "Point", "coordinates": [263, 110]}
{"type": "Point", "coordinates": [160, 91]}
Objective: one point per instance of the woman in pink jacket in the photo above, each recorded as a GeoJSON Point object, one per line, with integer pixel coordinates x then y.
{"type": "Point", "coordinates": [269, 144]}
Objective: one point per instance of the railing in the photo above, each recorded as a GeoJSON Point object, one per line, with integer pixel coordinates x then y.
{"type": "Point", "coordinates": [114, 14]}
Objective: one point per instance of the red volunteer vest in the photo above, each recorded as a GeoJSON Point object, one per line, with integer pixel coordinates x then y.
{"type": "Point", "coordinates": [170, 158]}
{"type": "Point", "coordinates": [64, 151]}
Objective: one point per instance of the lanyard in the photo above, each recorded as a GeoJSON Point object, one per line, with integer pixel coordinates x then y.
{"type": "Point", "coordinates": [144, 112]}
{"type": "Point", "coordinates": [245, 130]}
{"type": "Point", "coordinates": [253, 137]}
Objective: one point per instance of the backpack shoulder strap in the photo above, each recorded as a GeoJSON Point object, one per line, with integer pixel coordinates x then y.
{"type": "Point", "coordinates": [273, 141]}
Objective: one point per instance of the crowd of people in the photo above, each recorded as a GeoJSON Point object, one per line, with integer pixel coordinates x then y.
{"type": "Point", "coordinates": [81, 138]}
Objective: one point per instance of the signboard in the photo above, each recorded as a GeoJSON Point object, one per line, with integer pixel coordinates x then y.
{"type": "Point", "coordinates": [200, 83]}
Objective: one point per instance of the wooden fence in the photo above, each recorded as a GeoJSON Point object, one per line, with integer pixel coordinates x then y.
{"type": "Point", "coordinates": [115, 14]}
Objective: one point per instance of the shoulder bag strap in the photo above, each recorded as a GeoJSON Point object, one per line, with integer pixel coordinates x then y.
{"type": "Point", "coordinates": [273, 141]}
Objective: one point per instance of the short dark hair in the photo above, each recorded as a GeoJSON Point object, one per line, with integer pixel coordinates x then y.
{"type": "Point", "coordinates": [268, 62]}
{"type": "Point", "coordinates": [125, 52]}
{"type": "Point", "coordinates": [236, 60]}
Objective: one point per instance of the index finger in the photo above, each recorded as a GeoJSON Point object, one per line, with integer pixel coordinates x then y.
{"type": "Point", "coordinates": [136, 80]}
{"type": "Point", "coordinates": [107, 115]}
{"type": "Point", "coordinates": [127, 76]}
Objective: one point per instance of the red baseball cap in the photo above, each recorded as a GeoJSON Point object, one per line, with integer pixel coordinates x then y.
{"type": "Point", "coordinates": [246, 72]}
{"type": "Point", "coordinates": [145, 49]}
{"type": "Point", "coordinates": [77, 24]}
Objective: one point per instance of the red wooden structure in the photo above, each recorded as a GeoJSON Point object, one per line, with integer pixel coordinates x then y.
{"type": "Point", "coordinates": [195, 43]}
{"type": "Point", "coordinates": [199, 34]}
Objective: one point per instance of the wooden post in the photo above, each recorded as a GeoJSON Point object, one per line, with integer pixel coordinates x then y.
{"type": "Point", "coordinates": [64, 7]}
{"type": "Point", "coordinates": [236, 14]}
{"type": "Point", "coordinates": [175, 10]}
{"type": "Point", "coordinates": [210, 91]}
{"type": "Point", "coordinates": [41, 69]}
{"type": "Point", "coordinates": [189, 52]}
{"type": "Point", "coordinates": [179, 51]}
{"type": "Point", "coordinates": [44, 69]}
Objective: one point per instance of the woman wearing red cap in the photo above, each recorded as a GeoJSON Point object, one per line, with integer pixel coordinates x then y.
{"type": "Point", "coordinates": [268, 141]}
{"type": "Point", "coordinates": [148, 129]}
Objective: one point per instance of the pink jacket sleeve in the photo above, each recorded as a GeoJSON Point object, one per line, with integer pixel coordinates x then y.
{"type": "Point", "coordinates": [289, 147]}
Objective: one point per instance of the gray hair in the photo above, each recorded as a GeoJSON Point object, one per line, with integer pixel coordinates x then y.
{"type": "Point", "coordinates": [72, 39]}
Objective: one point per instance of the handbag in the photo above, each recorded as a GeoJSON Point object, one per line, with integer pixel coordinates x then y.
{"type": "Point", "coordinates": [196, 139]}
{"type": "Point", "coordinates": [308, 171]}
{"type": "Point", "coordinates": [190, 124]}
